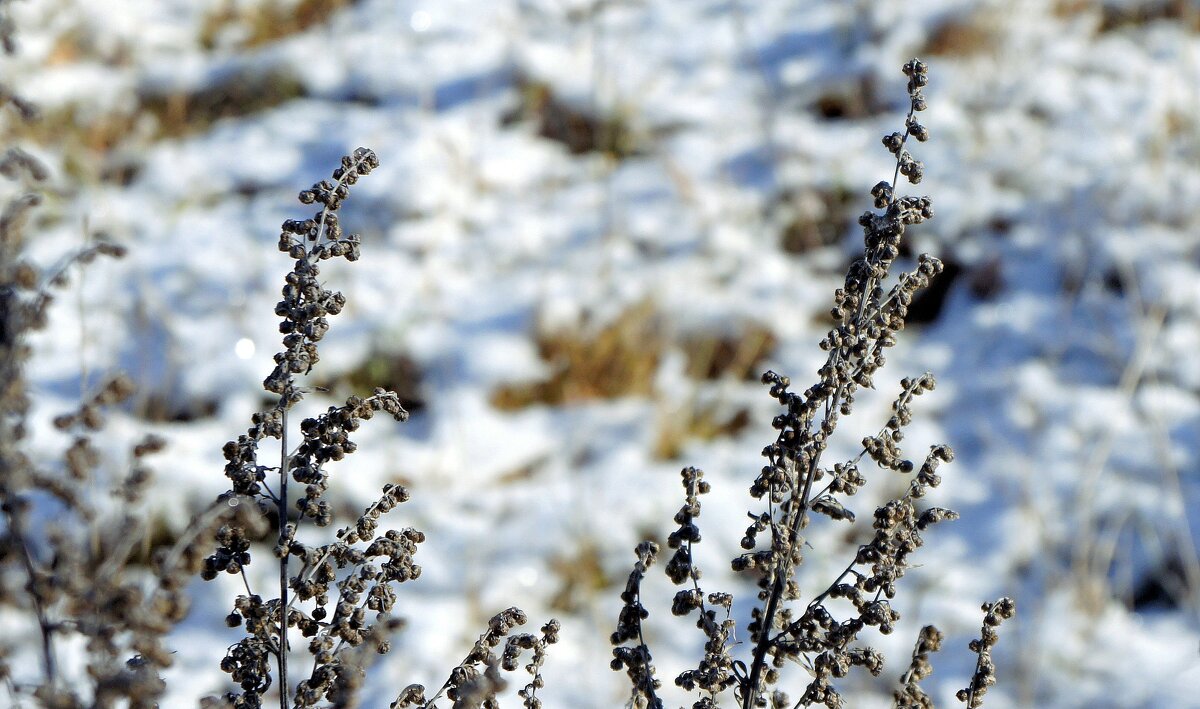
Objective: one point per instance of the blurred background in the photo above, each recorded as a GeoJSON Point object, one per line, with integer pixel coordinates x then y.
{"type": "Point", "coordinates": [595, 224]}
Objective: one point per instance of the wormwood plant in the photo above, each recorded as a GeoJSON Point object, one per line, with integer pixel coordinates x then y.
{"type": "Point", "coordinates": [796, 484]}
{"type": "Point", "coordinates": [76, 562]}
{"type": "Point", "coordinates": [338, 595]}
{"type": "Point", "coordinates": [74, 568]}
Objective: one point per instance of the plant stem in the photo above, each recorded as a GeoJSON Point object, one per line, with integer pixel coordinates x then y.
{"type": "Point", "coordinates": [283, 559]}
{"type": "Point", "coordinates": [777, 590]}
{"type": "Point", "coordinates": [49, 668]}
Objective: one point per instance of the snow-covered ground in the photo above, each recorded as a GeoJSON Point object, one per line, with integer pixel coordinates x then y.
{"type": "Point", "coordinates": [690, 171]}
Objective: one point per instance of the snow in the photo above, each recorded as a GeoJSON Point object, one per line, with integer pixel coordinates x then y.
{"type": "Point", "coordinates": [1071, 393]}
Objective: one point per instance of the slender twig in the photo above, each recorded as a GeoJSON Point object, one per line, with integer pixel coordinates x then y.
{"type": "Point", "coordinates": [796, 510]}
{"type": "Point", "coordinates": [283, 555]}
{"type": "Point", "coordinates": [49, 667]}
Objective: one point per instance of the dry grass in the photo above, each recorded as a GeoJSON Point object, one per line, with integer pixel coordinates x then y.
{"type": "Point", "coordinates": [264, 22]}
{"type": "Point", "coordinates": [580, 130]}
{"type": "Point", "coordinates": [818, 218]}
{"type": "Point", "coordinates": [856, 98]}
{"type": "Point", "coordinates": [1183, 12]}
{"type": "Point", "coordinates": [964, 36]}
{"type": "Point", "coordinates": [89, 137]}
{"type": "Point", "coordinates": [696, 421]}
{"type": "Point", "coordinates": [738, 354]}
{"type": "Point", "coordinates": [581, 576]}
{"type": "Point", "coordinates": [616, 360]}
{"type": "Point", "coordinates": [622, 358]}
{"type": "Point", "coordinates": [1115, 16]}
{"type": "Point", "coordinates": [102, 145]}
{"type": "Point", "coordinates": [238, 94]}
{"type": "Point", "coordinates": [396, 372]}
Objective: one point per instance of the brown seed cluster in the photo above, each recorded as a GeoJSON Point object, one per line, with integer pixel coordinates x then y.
{"type": "Point", "coordinates": [910, 695]}
{"type": "Point", "coordinates": [714, 673]}
{"type": "Point", "coordinates": [306, 304]}
{"type": "Point", "coordinates": [796, 484]}
{"type": "Point", "coordinates": [340, 595]}
{"type": "Point", "coordinates": [477, 679]}
{"type": "Point", "coordinates": [636, 659]}
{"type": "Point", "coordinates": [335, 601]}
{"type": "Point", "coordinates": [985, 670]}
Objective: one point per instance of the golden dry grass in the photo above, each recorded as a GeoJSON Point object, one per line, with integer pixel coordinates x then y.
{"type": "Point", "coordinates": [618, 359]}
{"type": "Point", "coordinates": [266, 21]}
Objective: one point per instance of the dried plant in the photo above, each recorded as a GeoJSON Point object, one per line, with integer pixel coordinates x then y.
{"type": "Point", "coordinates": [339, 595]}
{"type": "Point", "coordinates": [74, 529]}
{"type": "Point", "coordinates": [68, 556]}
{"type": "Point", "coordinates": [985, 670]}
{"type": "Point", "coordinates": [797, 484]}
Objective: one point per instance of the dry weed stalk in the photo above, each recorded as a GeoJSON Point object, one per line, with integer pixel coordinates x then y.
{"type": "Point", "coordinates": [339, 595]}
{"type": "Point", "coordinates": [796, 484]}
